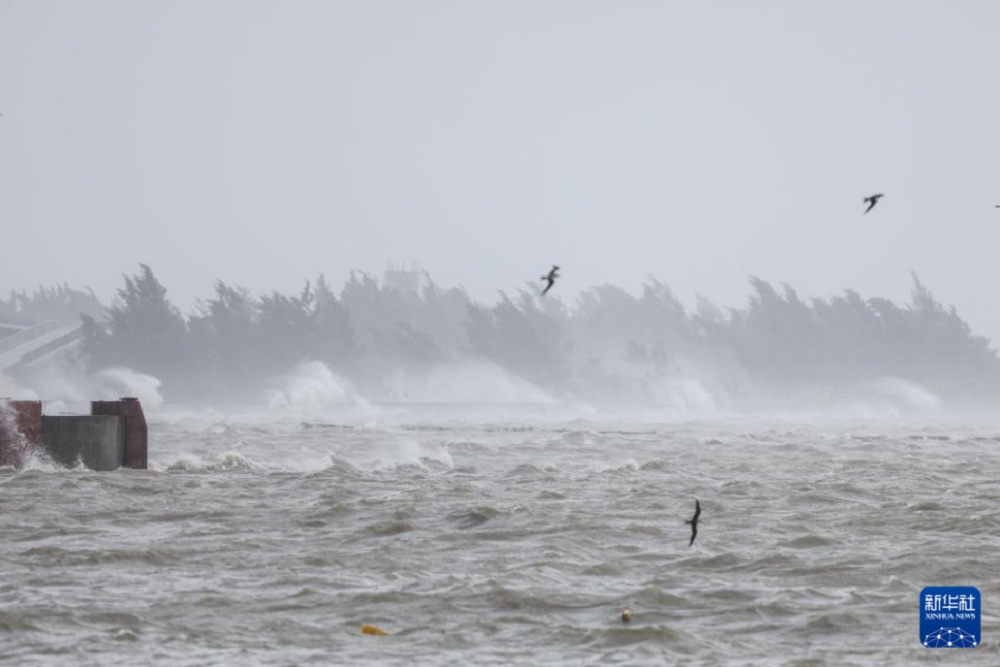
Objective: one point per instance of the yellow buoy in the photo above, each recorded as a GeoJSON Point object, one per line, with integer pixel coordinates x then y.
{"type": "Point", "coordinates": [372, 630]}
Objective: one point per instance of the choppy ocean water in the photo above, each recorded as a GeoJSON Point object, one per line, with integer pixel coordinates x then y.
{"type": "Point", "coordinates": [503, 536]}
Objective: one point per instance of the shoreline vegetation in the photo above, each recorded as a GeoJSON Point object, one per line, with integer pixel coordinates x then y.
{"type": "Point", "coordinates": [609, 345]}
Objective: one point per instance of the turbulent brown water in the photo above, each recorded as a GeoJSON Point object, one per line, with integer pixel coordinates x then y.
{"type": "Point", "coordinates": [503, 536]}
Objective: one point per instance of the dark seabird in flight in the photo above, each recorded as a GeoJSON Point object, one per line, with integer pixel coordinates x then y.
{"type": "Point", "coordinates": [874, 200]}
{"type": "Point", "coordinates": [553, 274]}
{"type": "Point", "coordinates": [694, 522]}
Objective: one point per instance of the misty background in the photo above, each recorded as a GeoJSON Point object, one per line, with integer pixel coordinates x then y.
{"type": "Point", "coordinates": [403, 338]}
{"type": "Point", "coordinates": [239, 148]}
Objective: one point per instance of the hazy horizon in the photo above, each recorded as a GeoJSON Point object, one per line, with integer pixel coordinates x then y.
{"type": "Point", "coordinates": [698, 144]}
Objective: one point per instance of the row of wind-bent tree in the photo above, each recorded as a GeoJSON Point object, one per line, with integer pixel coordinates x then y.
{"type": "Point", "coordinates": [59, 302]}
{"type": "Point", "coordinates": [842, 340]}
{"type": "Point", "coordinates": [611, 344]}
{"type": "Point", "coordinates": [228, 346]}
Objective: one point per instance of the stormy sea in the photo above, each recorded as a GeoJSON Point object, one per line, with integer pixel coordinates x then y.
{"type": "Point", "coordinates": [503, 534]}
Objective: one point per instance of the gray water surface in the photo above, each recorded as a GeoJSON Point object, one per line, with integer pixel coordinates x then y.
{"type": "Point", "coordinates": [492, 539]}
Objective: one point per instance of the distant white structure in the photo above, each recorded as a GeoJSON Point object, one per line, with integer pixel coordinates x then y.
{"type": "Point", "coordinates": [404, 278]}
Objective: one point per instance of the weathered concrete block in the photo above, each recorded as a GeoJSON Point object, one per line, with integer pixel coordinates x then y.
{"type": "Point", "coordinates": [136, 437]}
{"type": "Point", "coordinates": [99, 440]}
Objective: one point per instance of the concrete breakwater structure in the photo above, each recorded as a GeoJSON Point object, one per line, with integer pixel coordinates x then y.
{"type": "Point", "coordinates": [112, 436]}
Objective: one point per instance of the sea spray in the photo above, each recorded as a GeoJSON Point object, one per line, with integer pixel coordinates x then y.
{"type": "Point", "coordinates": [120, 381]}
{"type": "Point", "coordinates": [9, 388]}
{"type": "Point", "coordinates": [398, 448]}
{"type": "Point", "coordinates": [63, 389]}
{"type": "Point", "coordinates": [14, 447]}
{"type": "Point", "coordinates": [466, 381]}
{"type": "Point", "coordinates": [683, 395]}
{"type": "Point", "coordinates": [907, 394]}
{"type": "Point", "coordinates": [312, 392]}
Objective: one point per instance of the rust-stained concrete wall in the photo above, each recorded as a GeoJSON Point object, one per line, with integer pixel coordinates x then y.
{"type": "Point", "coordinates": [136, 433]}
{"type": "Point", "coordinates": [114, 435]}
{"type": "Point", "coordinates": [20, 430]}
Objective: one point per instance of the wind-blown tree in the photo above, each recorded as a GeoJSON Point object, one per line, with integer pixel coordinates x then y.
{"type": "Point", "coordinates": [645, 329]}
{"type": "Point", "coordinates": [405, 347]}
{"type": "Point", "coordinates": [58, 302]}
{"type": "Point", "coordinates": [775, 336]}
{"type": "Point", "coordinates": [610, 317]}
{"type": "Point", "coordinates": [143, 331]}
{"type": "Point", "coordinates": [611, 344]}
{"type": "Point", "coordinates": [709, 323]}
{"type": "Point", "coordinates": [313, 326]}
{"type": "Point", "coordinates": [945, 347]}
{"type": "Point", "coordinates": [528, 338]}
{"type": "Point", "coordinates": [441, 314]}
{"type": "Point", "coordinates": [285, 330]}
{"type": "Point", "coordinates": [223, 338]}
{"type": "Point", "coordinates": [782, 340]}
{"type": "Point", "coordinates": [242, 341]}
{"type": "Point", "coordinates": [393, 325]}
{"type": "Point", "coordinates": [369, 310]}
{"type": "Point", "coordinates": [334, 342]}
{"type": "Point", "coordinates": [847, 338]}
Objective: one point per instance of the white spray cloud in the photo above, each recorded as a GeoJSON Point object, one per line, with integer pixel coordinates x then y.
{"type": "Point", "coordinates": [59, 388]}
{"type": "Point", "coordinates": [118, 382]}
{"type": "Point", "coordinates": [468, 381]}
{"type": "Point", "coordinates": [906, 394]}
{"type": "Point", "coordinates": [312, 391]}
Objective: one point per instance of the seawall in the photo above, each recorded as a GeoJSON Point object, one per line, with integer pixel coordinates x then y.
{"type": "Point", "coordinates": [114, 435]}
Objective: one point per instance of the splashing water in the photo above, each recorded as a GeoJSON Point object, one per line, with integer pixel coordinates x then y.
{"type": "Point", "coordinates": [312, 391]}
{"type": "Point", "coordinates": [119, 381]}
{"type": "Point", "coordinates": [468, 381]}
{"type": "Point", "coordinates": [13, 446]}
{"type": "Point", "coordinates": [60, 390]}
{"type": "Point", "coordinates": [909, 394]}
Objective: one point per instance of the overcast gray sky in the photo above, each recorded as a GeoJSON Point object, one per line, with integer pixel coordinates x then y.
{"type": "Point", "coordinates": [700, 142]}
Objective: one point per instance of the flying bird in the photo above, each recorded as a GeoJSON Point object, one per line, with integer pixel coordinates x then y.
{"type": "Point", "coordinates": [694, 522]}
{"type": "Point", "coordinates": [553, 274]}
{"type": "Point", "coordinates": [874, 200]}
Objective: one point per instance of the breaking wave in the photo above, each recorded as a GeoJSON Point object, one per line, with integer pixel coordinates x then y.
{"type": "Point", "coordinates": [312, 392]}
